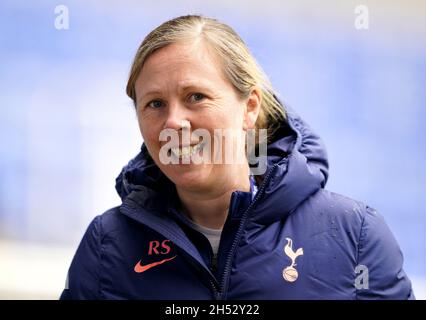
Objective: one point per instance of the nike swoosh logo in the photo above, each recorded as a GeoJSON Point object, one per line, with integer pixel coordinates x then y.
{"type": "Point", "coordinates": [140, 268]}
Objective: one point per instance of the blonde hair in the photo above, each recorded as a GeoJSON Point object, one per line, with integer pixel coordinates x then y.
{"type": "Point", "coordinates": [239, 65]}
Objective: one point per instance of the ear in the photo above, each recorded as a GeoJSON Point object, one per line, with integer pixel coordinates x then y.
{"type": "Point", "coordinates": [252, 108]}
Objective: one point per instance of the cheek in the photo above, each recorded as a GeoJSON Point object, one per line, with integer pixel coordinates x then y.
{"type": "Point", "coordinates": [149, 133]}
{"type": "Point", "coordinates": [151, 142]}
{"type": "Point", "coordinates": [228, 113]}
{"type": "Point", "coordinates": [149, 136]}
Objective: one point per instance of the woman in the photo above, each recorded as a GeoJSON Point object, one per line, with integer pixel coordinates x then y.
{"type": "Point", "coordinates": [211, 229]}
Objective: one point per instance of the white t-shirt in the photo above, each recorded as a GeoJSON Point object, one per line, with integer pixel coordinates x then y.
{"type": "Point", "coordinates": [213, 235]}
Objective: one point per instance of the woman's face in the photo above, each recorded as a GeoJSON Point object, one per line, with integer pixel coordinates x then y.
{"type": "Point", "coordinates": [184, 84]}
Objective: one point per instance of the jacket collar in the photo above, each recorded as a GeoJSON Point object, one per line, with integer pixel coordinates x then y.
{"type": "Point", "coordinates": [297, 168]}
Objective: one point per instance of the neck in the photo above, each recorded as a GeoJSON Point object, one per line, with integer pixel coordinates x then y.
{"type": "Point", "coordinates": [210, 208]}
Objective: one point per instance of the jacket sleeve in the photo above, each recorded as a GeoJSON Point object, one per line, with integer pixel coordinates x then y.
{"type": "Point", "coordinates": [83, 274]}
{"type": "Point", "coordinates": [379, 273]}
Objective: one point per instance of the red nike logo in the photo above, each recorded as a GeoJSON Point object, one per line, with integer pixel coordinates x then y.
{"type": "Point", "coordinates": [140, 268]}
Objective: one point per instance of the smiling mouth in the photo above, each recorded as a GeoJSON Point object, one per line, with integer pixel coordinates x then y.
{"type": "Point", "coordinates": [186, 152]}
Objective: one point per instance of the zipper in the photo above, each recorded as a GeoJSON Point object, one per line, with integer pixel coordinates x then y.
{"type": "Point", "coordinates": [221, 291]}
{"type": "Point", "coordinates": [211, 278]}
{"type": "Point", "coordinates": [215, 290]}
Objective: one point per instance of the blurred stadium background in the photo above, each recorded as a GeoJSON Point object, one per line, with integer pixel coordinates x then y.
{"type": "Point", "coordinates": [67, 127]}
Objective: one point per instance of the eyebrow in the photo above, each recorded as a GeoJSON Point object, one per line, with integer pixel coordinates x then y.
{"type": "Point", "coordinates": [185, 87]}
{"type": "Point", "coordinates": [152, 92]}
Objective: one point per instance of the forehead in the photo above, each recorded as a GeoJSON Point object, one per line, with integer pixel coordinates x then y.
{"type": "Point", "coordinates": [181, 62]}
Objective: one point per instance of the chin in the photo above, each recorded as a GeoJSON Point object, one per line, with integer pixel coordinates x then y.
{"type": "Point", "coordinates": [188, 178]}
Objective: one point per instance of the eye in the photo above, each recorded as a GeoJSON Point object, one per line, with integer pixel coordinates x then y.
{"type": "Point", "coordinates": [155, 104]}
{"type": "Point", "coordinates": [196, 97]}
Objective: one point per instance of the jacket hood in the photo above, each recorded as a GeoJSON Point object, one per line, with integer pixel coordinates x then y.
{"type": "Point", "coordinates": [297, 168]}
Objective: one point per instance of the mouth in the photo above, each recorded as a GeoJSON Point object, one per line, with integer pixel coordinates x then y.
{"type": "Point", "coordinates": [187, 151]}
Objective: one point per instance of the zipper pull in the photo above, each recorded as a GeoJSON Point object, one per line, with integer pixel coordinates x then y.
{"type": "Point", "coordinates": [217, 294]}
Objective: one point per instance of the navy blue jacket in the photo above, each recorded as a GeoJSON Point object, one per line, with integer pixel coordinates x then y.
{"type": "Point", "coordinates": [294, 240]}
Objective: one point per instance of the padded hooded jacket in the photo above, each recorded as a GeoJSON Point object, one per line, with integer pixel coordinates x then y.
{"type": "Point", "coordinates": [293, 240]}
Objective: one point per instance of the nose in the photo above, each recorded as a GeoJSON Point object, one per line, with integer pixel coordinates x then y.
{"type": "Point", "coordinates": [176, 118]}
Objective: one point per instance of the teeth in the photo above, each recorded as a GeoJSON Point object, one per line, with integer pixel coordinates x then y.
{"type": "Point", "coordinates": [186, 151]}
